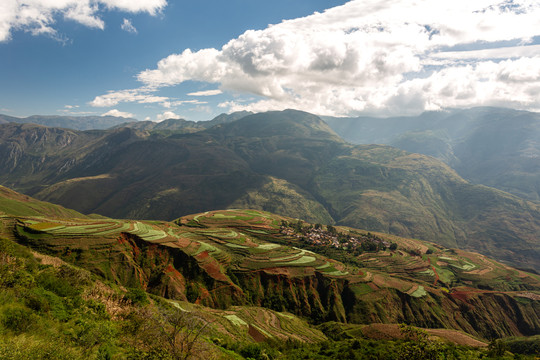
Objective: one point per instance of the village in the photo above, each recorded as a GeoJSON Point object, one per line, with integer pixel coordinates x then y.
{"type": "Point", "coordinates": [328, 235]}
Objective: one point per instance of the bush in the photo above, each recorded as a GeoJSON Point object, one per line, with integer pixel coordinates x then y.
{"type": "Point", "coordinates": [23, 347]}
{"type": "Point", "coordinates": [257, 352]}
{"type": "Point", "coordinates": [17, 318]}
{"type": "Point", "coordinates": [36, 301]}
{"type": "Point", "coordinates": [52, 282]}
{"type": "Point", "coordinates": [136, 296]}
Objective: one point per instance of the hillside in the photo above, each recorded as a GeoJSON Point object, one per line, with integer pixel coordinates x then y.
{"type": "Point", "coordinates": [241, 284]}
{"type": "Point", "coordinates": [246, 257]}
{"type": "Point", "coordinates": [289, 162]}
{"type": "Point", "coordinates": [490, 146]}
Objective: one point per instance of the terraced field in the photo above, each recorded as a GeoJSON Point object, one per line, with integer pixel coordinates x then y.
{"type": "Point", "coordinates": [242, 323]}
{"type": "Point", "coordinates": [222, 259]}
{"type": "Point", "coordinates": [250, 240]}
{"type": "Point", "coordinates": [245, 251]}
{"type": "Point", "coordinates": [225, 238]}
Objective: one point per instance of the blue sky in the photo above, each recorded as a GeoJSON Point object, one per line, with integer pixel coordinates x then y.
{"type": "Point", "coordinates": [157, 59]}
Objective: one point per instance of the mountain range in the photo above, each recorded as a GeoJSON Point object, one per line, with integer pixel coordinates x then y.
{"type": "Point", "coordinates": [491, 146]}
{"type": "Point", "coordinates": [68, 122]}
{"type": "Point", "coordinates": [289, 162]}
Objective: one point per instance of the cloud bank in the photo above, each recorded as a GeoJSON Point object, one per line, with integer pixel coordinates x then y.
{"type": "Point", "coordinates": [374, 57]}
{"type": "Point", "coordinates": [38, 16]}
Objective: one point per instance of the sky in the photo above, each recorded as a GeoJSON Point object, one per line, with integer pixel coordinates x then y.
{"type": "Point", "coordinates": [159, 59]}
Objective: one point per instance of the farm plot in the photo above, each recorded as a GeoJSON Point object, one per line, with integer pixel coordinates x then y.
{"type": "Point", "coordinates": [102, 228]}
{"type": "Point", "coordinates": [77, 229]}
{"type": "Point", "coordinates": [147, 232]}
{"type": "Point", "coordinates": [237, 218]}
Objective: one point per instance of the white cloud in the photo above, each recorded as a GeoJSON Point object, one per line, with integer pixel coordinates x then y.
{"type": "Point", "coordinates": [69, 111]}
{"type": "Point", "coordinates": [128, 26]}
{"type": "Point", "coordinates": [376, 57]}
{"type": "Point", "coordinates": [140, 95]}
{"type": "Point", "coordinates": [167, 115]}
{"type": "Point", "coordinates": [39, 16]}
{"type": "Point", "coordinates": [206, 93]}
{"type": "Point", "coordinates": [144, 95]}
{"type": "Point", "coordinates": [508, 52]}
{"type": "Point", "coordinates": [118, 113]}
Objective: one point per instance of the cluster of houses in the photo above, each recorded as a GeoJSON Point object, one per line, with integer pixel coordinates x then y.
{"type": "Point", "coordinates": [319, 235]}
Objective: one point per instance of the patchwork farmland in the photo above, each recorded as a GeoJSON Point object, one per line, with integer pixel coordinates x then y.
{"type": "Point", "coordinates": [248, 257]}
{"type": "Point", "coordinates": [250, 240]}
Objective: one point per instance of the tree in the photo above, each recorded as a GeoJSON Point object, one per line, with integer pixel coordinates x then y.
{"type": "Point", "coordinates": [496, 348]}
{"type": "Point", "coordinates": [176, 331]}
{"type": "Point", "coordinates": [418, 346]}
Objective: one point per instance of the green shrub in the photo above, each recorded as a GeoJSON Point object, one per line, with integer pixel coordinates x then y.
{"type": "Point", "coordinates": [98, 309]}
{"type": "Point", "coordinates": [524, 345]}
{"type": "Point", "coordinates": [52, 282]}
{"type": "Point", "coordinates": [56, 305]}
{"type": "Point", "coordinates": [76, 277]}
{"type": "Point", "coordinates": [17, 318]}
{"type": "Point", "coordinates": [12, 275]}
{"type": "Point", "coordinates": [89, 333]}
{"type": "Point", "coordinates": [24, 347]}
{"type": "Point", "coordinates": [35, 300]}
{"type": "Point", "coordinates": [136, 296]}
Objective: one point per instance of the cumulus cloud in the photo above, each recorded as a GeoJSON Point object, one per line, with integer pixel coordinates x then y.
{"type": "Point", "coordinates": [167, 115]}
{"type": "Point", "coordinates": [118, 113]}
{"type": "Point", "coordinates": [128, 26]}
{"type": "Point", "coordinates": [370, 56]}
{"type": "Point", "coordinates": [39, 16]}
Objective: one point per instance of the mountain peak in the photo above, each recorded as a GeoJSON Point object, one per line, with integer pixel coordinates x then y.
{"type": "Point", "coordinates": [291, 123]}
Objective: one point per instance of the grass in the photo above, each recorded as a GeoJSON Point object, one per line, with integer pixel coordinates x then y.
{"type": "Point", "coordinates": [419, 292]}
{"type": "Point", "coordinates": [301, 261]}
{"type": "Point", "coordinates": [235, 320]}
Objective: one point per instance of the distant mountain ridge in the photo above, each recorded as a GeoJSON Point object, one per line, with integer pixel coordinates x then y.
{"type": "Point", "coordinates": [183, 125]}
{"type": "Point", "coordinates": [68, 122]}
{"type": "Point", "coordinates": [491, 146]}
{"type": "Point", "coordinates": [83, 123]}
{"type": "Point", "coordinates": [289, 162]}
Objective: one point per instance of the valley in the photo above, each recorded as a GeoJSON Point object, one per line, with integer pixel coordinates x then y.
{"type": "Point", "coordinates": [287, 162]}
{"type": "Point", "coordinates": [269, 180]}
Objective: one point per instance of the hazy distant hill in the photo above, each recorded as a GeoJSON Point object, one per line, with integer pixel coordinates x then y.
{"type": "Point", "coordinates": [491, 146]}
{"type": "Point", "coordinates": [287, 162]}
{"type": "Point", "coordinates": [181, 125]}
{"type": "Point", "coordinates": [69, 122]}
